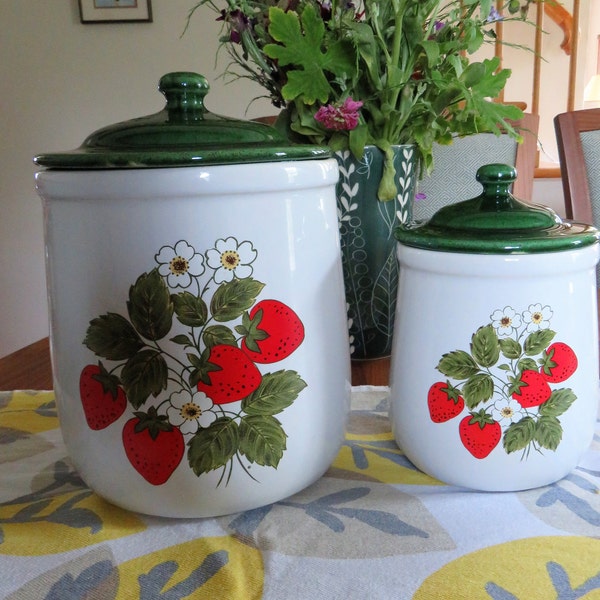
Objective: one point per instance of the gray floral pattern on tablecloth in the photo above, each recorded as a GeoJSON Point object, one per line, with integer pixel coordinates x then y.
{"type": "Point", "coordinates": [326, 519]}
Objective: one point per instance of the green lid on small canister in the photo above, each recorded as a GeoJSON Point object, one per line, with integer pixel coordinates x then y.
{"type": "Point", "coordinates": [183, 134]}
{"type": "Point", "coordinates": [497, 223]}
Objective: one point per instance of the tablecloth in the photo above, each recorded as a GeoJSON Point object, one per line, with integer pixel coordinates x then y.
{"type": "Point", "coordinates": [373, 527]}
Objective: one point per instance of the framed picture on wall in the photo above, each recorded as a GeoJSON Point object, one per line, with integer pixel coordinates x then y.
{"type": "Point", "coordinates": [115, 11]}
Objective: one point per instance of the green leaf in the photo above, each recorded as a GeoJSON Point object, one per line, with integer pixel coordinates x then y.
{"type": "Point", "coordinates": [110, 383]}
{"type": "Point", "coordinates": [112, 336]}
{"type": "Point", "coordinates": [548, 432]}
{"type": "Point", "coordinates": [201, 367]}
{"type": "Point", "coordinates": [276, 392]}
{"type": "Point", "coordinates": [458, 364]}
{"type": "Point", "coordinates": [262, 439]}
{"type": "Point", "coordinates": [214, 446]}
{"type": "Point", "coordinates": [150, 306]}
{"type": "Point", "coordinates": [519, 435]}
{"type": "Point", "coordinates": [558, 403]}
{"type": "Point", "coordinates": [218, 334]}
{"type": "Point", "coordinates": [182, 340]}
{"type": "Point", "coordinates": [538, 341]}
{"type": "Point", "coordinates": [527, 364]}
{"type": "Point", "coordinates": [301, 43]}
{"type": "Point", "coordinates": [231, 299]}
{"type": "Point", "coordinates": [190, 310]}
{"type": "Point", "coordinates": [478, 388]}
{"type": "Point", "coordinates": [510, 348]}
{"type": "Point", "coordinates": [143, 375]}
{"type": "Point", "coordinates": [473, 74]}
{"type": "Point", "coordinates": [249, 330]}
{"type": "Point", "coordinates": [484, 346]}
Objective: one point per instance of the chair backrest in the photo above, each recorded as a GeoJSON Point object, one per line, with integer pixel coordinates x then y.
{"type": "Point", "coordinates": [455, 166]}
{"type": "Point", "coordinates": [578, 138]}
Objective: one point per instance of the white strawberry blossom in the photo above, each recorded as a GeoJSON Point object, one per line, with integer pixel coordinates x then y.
{"type": "Point", "coordinates": [506, 411]}
{"type": "Point", "coordinates": [187, 411]}
{"type": "Point", "coordinates": [505, 321]}
{"type": "Point", "coordinates": [179, 264]}
{"type": "Point", "coordinates": [537, 317]}
{"type": "Point", "coordinates": [229, 259]}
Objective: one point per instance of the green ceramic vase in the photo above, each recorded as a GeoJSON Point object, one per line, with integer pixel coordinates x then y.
{"type": "Point", "coordinates": [369, 247]}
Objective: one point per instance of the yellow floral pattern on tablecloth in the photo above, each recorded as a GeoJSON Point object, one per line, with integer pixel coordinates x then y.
{"type": "Point", "coordinates": [62, 522]}
{"type": "Point", "coordinates": [40, 410]}
{"type": "Point", "coordinates": [558, 568]}
{"type": "Point", "coordinates": [377, 457]}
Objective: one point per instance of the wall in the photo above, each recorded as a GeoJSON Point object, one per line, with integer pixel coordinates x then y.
{"type": "Point", "coordinates": [60, 81]}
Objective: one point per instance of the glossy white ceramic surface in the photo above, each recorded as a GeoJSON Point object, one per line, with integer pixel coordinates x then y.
{"type": "Point", "coordinates": [106, 228]}
{"type": "Point", "coordinates": [444, 300]}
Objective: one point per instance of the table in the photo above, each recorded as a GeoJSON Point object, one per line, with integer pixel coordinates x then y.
{"type": "Point", "coordinates": [30, 368]}
{"type": "Point", "coordinates": [372, 528]}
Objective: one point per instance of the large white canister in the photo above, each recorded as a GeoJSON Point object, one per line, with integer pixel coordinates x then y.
{"type": "Point", "coordinates": [494, 376]}
{"type": "Point", "coordinates": [198, 329]}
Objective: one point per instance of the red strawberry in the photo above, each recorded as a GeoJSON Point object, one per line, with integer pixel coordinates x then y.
{"type": "Point", "coordinates": [102, 398]}
{"type": "Point", "coordinates": [231, 375]}
{"type": "Point", "coordinates": [272, 332]}
{"type": "Point", "coordinates": [444, 402]}
{"type": "Point", "coordinates": [153, 446]}
{"type": "Point", "coordinates": [559, 362]}
{"type": "Point", "coordinates": [479, 433]}
{"type": "Point", "coordinates": [532, 389]}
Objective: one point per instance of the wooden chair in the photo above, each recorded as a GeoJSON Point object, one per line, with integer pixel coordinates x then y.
{"type": "Point", "coordinates": [578, 137]}
{"type": "Point", "coordinates": [455, 166]}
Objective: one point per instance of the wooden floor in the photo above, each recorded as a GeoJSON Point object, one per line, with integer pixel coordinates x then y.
{"type": "Point", "coordinates": [30, 369]}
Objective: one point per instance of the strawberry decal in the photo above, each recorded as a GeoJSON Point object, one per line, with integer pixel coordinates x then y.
{"type": "Point", "coordinates": [184, 357]}
{"type": "Point", "coordinates": [504, 381]}
{"type": "Point", "coordinates": [230, 375]}
{"type": "Point", "coordinates": [559, 363]}
{"type": "Point", "coordinates": [479, 433]}
{"type": "Point", "coordinates": [444, 402]}
{"type": "Point", "coordinates": [533, 389]}
{"type": "Point", "coordinates": [153, 446]}
{"type": "Point", "coordinates": [102, 398]}
{"type": "Point", "coordinates": [272, 331]}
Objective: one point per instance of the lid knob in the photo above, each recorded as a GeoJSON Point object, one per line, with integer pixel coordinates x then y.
{"type": "Point", "coordinates": [185, 94]}
{"type": "Point", "coordinates": [496, 180]}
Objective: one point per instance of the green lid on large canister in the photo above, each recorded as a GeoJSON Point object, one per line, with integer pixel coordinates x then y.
{"type": "Point", "coordinates": [496, 222]}
{"type": "Point", "coordinates": [183, 134]}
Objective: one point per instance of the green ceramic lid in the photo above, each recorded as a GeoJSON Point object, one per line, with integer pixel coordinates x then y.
{"type": "Point", "coordinates": [497, 223]}
{"type": "Point", "coordinates": [183, 134]}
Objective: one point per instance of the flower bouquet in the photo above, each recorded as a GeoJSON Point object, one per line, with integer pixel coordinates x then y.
{"type": "Point", "coordinates": [353, 73]}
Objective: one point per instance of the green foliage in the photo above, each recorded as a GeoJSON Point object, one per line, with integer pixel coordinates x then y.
{"type": "Point", "coordinates": [408, 61]}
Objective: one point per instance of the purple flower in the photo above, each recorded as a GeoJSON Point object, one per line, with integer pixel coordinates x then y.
{"type": "Point", "coordinates": [238, 23]}
{"type": "Point", "coordinates": [326, 8]}
{"type": "Point", "coordinates": [494, 16]}
{"type": "Point", "coordinates": [420, 196]}
{"type": "Point", "coordinates": [339, 118]}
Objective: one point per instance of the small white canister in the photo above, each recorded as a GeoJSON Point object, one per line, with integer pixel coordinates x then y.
{"type": "Point", "coordinates": [198, 328]}
{"type": "Point", "coordinates": [494, 376]}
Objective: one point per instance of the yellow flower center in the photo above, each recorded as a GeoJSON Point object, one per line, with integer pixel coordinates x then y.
{"type": "Point", "coordinates": [190, 411]}
{"type": "Point", "coordinates": [230, 259]}
{"type": "Point", "coordinates": [507, 412]}
{"type": "Point", "coordinates": [179, 265]}
{"type": "Point", "coordinates": [537, 317]}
